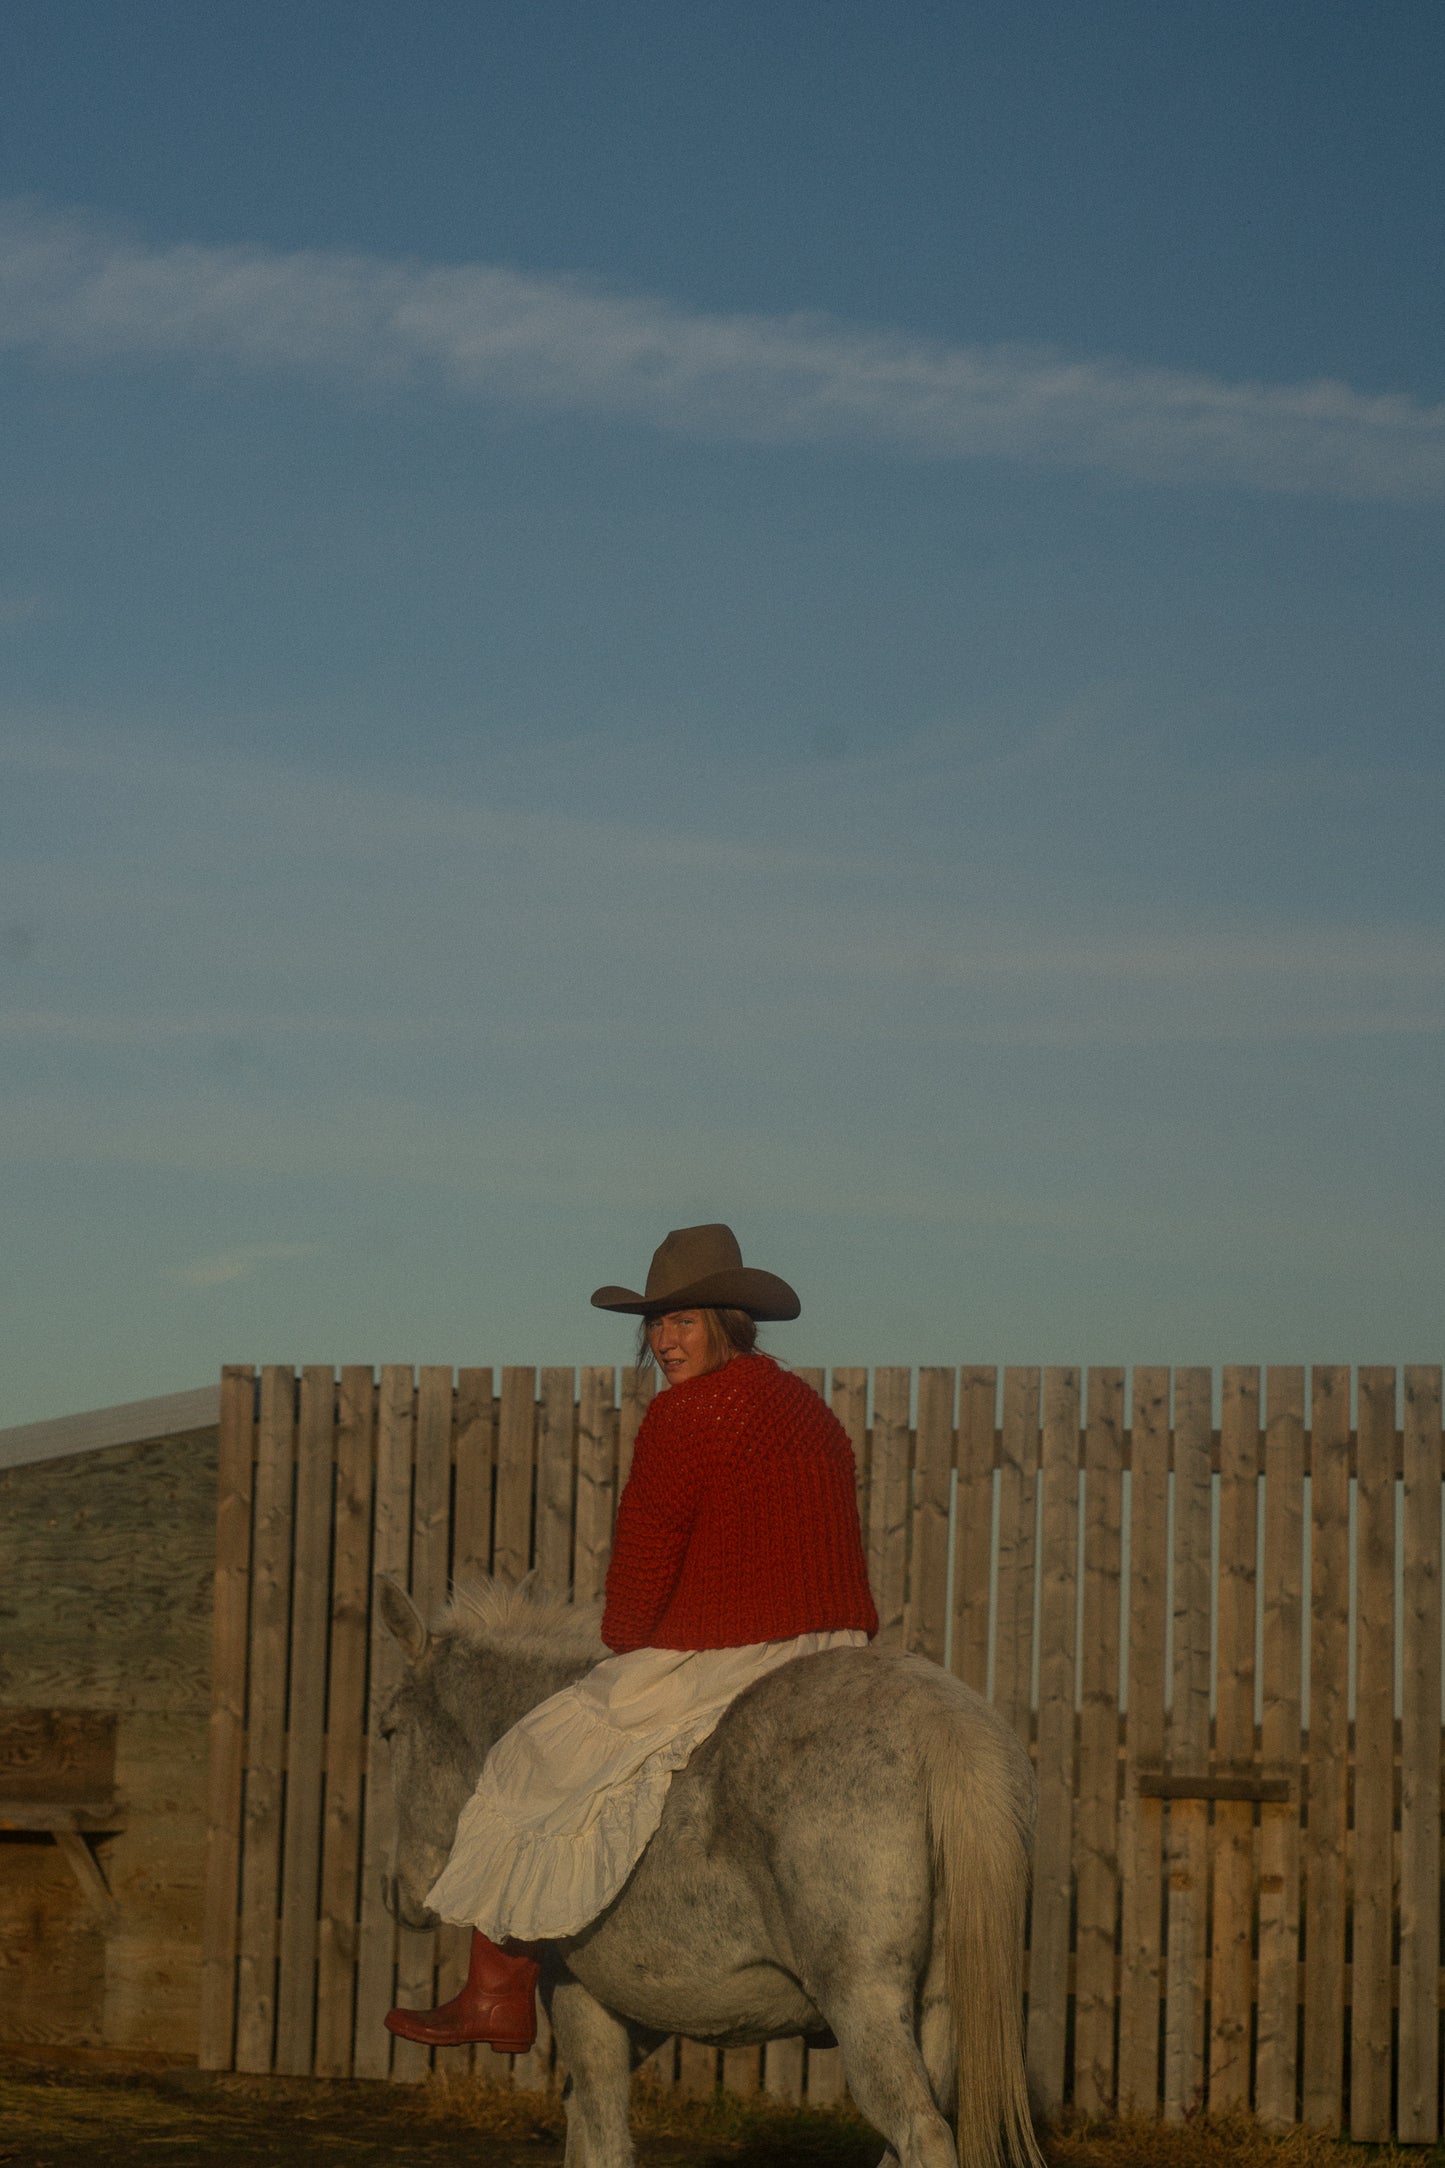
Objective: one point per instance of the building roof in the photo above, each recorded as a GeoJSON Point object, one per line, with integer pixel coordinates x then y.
{"type": "Point", "coordinates": [99, 1427]}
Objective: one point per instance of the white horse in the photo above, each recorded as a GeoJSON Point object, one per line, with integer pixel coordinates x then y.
{"type": "Point", "coordinates": [846, 1858]}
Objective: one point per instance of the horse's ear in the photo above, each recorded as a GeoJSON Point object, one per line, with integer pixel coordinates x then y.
{"type": "Point", "coordinates": [401, 1618]}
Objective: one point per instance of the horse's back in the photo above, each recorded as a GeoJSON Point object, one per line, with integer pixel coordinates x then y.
{"type": "Point", "coordinates": [850, 1716]}
{"type": "Point", "coordinates": [816, 1778]}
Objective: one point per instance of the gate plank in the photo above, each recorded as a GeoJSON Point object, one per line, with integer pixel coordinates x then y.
{"type": "Point", "coordinates": [638, 1387]}
{"type": "Point", "coordinates": [556, 1458]}
{"type": "Point", "coordinates": [1054, 1831]}
{"type": "Point", "coordinates": [1324, 1842]}
{"type": "Point", "coordinates": [1189, 1746]}
{"type": "Point", "coordinates": [345, 1722]}
{"type": "Point", "coordinates": [1231, 1980]}
{"type": "Point", "coordinates": [850, 1405]}
{"type": "Point", "coordinates": [932, 1497]}
{"type": "Point", "coordinates": [596, 1482]}
{"type": "Point", "coordinates": [310, 1586]}
{"type": "Point", "coordinates": [475, 1454]}
{"type": "Point", "coordinates": [417, 1950]}
{"type": "Point", "coordinates": [888, 1502]}
{"type": "Point", "coordinates": [516, 1448]}
{"type": "Point", "coordinates": [783, 2069]}
{"type": "Point", "coordinates": [973, 1524]}
{"type": "Point", "coordinates": [1096, 1818]}
{"type": "Point", "coordinates": [1276, 2062]}
{"type": "Point", "coordinates": [391, 1544]}
{"type": "Point", "coordinates": [1141, 1820]}
{"type": "Point", "coordinates": [1420, 1873]}
{"type": "Point", "coordinates": [224, 1775]}
{"type": "Point", "coordinates": [266, 1721]}
{"type": "Point", "coordinates": [1018, 1480]}
{"type": "Point", "coordinates": [1371, 1987]}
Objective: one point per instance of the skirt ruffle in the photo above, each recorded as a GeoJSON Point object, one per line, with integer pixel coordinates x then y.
{"type": "Point", "coordinates": [570, 1797]}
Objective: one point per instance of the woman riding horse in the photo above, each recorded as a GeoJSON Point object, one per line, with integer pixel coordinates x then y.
{"type": "Point", "coordinates": [737, 1549]}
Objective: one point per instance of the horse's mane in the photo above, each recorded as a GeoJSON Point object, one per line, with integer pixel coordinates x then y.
{"type": "Point", "coordinates": [493, 1614]}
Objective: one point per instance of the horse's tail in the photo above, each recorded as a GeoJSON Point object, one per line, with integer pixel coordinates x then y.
{"type": "Point", "coordinates": [979, 1791]}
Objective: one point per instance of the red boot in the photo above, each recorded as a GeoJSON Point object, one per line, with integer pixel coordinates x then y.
{"type": "Point", "coordinates": [497, 2005]}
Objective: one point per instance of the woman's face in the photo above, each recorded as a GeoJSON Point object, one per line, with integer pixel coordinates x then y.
{"type": "Point", "coordinates": [679, 1345]}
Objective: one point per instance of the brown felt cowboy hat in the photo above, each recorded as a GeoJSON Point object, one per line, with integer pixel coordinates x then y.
{"type": "Point", "coordinates": [702, 1268]}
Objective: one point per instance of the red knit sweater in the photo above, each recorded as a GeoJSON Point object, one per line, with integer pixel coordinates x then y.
{"type": "Point", "coordinates": [739, 1521]}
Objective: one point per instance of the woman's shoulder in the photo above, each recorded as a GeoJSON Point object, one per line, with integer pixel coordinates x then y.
{"type": "Point", "coordinates": [745, 1381]}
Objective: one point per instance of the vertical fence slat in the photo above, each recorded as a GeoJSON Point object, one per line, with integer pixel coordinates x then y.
{"type": "Point", "coordinates": [973, 1524]}
{"type": "Point", "coordinates": [305, 1725]}
{"type": "Point", "coordinates": [475, 1453]}
{"type": "Point", "coordinates": [635, 1390]}
{"type": "Point", "coordinates": [1231, 1976]}
{"type": "Point", "coordinates": [1324, 1844]}
{"type": "Point", "coordinates": [1054, 1832]}
{"type": "Point", "coordinates": [1420, 1764]}
{"type": "Point", "coordinates": [783, 2069]}
{"type": "Point", "coordinates": [697, 2070]}
{"type": "Point", "coordinates": [1373, 1847]}
{"type": "Point", "coordinates": [786, 2072]}
{"type": "Point", "coordinates": [1018, 1480]}
{"type": "Point", "coordinates": [266, 1721]}
{"type": "Point", "coordinates": [638, 1387]}
{"type": "Point", "coordinates": [888, 1502]}
{"type": "Point", "coordinates": [1189, 1746]}
{"type": "Point", "coordinates": [556, 1459]}
{"type": "Point", "coordinates": [418, 1950]}
{"type": "Point", "coordinates": [224, 1774]}
{"type": "Point", "coordinates": [742, 2072]}
{"type": "Point", "coordinates": [391, 1544]}
{"type": "Point", "coordinates": [1141, 1820]}
{"type": "Point", "coordinates": [431, 1491]}
{"type": "Point", "coordinates": [516, 1447]}
{"type": "Point", "coordinates": [596, 1482]}
{"type": "Point", "coordinates": [556, 1451]}
{"type": "Point", "coordinates": [1277, 2057]}
{"type": "Point", "coordinates": [850, 1405]}
{"type": "Point", "coordinates": [932, 1489]}
{"type": "Point", "coordinates": [1096, 1819]}
{"type": "Point", "coordinates": [345, 1718]}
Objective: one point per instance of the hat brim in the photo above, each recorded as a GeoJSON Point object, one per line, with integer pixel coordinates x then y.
{"type": "Point", "coordinates": [762, 1294]}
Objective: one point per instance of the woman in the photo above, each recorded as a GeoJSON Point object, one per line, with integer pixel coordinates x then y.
{"type": "Point", "coordinates": [737, 1549]}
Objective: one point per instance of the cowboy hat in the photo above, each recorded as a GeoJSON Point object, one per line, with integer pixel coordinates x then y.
{"type": "Point", "coordinates": [702, 1268]}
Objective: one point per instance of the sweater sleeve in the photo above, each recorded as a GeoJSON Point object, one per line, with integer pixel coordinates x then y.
{"type": "Point", "coordinates": [654, 1522]}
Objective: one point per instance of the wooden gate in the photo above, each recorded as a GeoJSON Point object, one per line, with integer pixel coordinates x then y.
{"type": "Point", "coordinates": [1219, 1633]}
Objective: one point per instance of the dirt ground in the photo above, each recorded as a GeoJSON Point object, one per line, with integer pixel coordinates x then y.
{"type": "Point", "coordinates": [90, 2118]}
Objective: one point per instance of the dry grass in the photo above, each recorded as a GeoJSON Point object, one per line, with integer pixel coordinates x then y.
{"type": "Point", "coordinates": [1235, 2142]}
{"type": "Point", "coordinates": [68, 2118]}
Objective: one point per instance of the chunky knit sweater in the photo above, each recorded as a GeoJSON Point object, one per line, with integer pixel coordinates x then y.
{"type": "Point", "coordinates": [739, 1521]}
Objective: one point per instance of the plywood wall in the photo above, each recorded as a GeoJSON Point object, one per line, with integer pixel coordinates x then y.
{"type": "Point", "coordinates": [106, 1580]}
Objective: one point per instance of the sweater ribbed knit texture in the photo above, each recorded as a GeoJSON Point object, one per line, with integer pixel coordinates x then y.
{"type": "Point", "coordinates": [739, 1520]}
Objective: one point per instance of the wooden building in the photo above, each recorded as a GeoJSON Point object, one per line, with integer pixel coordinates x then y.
{"type": "Point", "coordinates": [107, 1558]}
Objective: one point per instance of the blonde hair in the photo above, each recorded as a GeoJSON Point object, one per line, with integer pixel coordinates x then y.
{"type": "Point", "coordinates": [729, 1333]}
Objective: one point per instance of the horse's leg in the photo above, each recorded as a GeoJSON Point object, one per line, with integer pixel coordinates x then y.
{"type": "Point", "coordinates": [872, 2022]}
{"type": "Point", "coordinates": [598, 2054]}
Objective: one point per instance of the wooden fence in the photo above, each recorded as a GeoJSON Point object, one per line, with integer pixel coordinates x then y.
{"type": "Point", "coordinates": [1220, 1634]}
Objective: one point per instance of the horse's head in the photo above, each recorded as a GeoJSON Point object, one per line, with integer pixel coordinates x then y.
{"type": "Point", "coordinates": [495, 1654]}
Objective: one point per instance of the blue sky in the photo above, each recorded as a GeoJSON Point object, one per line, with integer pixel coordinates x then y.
{"type": "Point", "coordinates": [827, 616]}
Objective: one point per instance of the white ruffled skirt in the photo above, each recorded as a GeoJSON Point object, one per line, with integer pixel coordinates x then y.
{"type": "Point", "coordinates": [569, 1798]}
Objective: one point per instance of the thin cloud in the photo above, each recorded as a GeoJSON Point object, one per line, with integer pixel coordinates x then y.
{"type": "Point", "coordinates": [240, 1264]}
{"type": "Point", "coordinates": [71, 288]}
